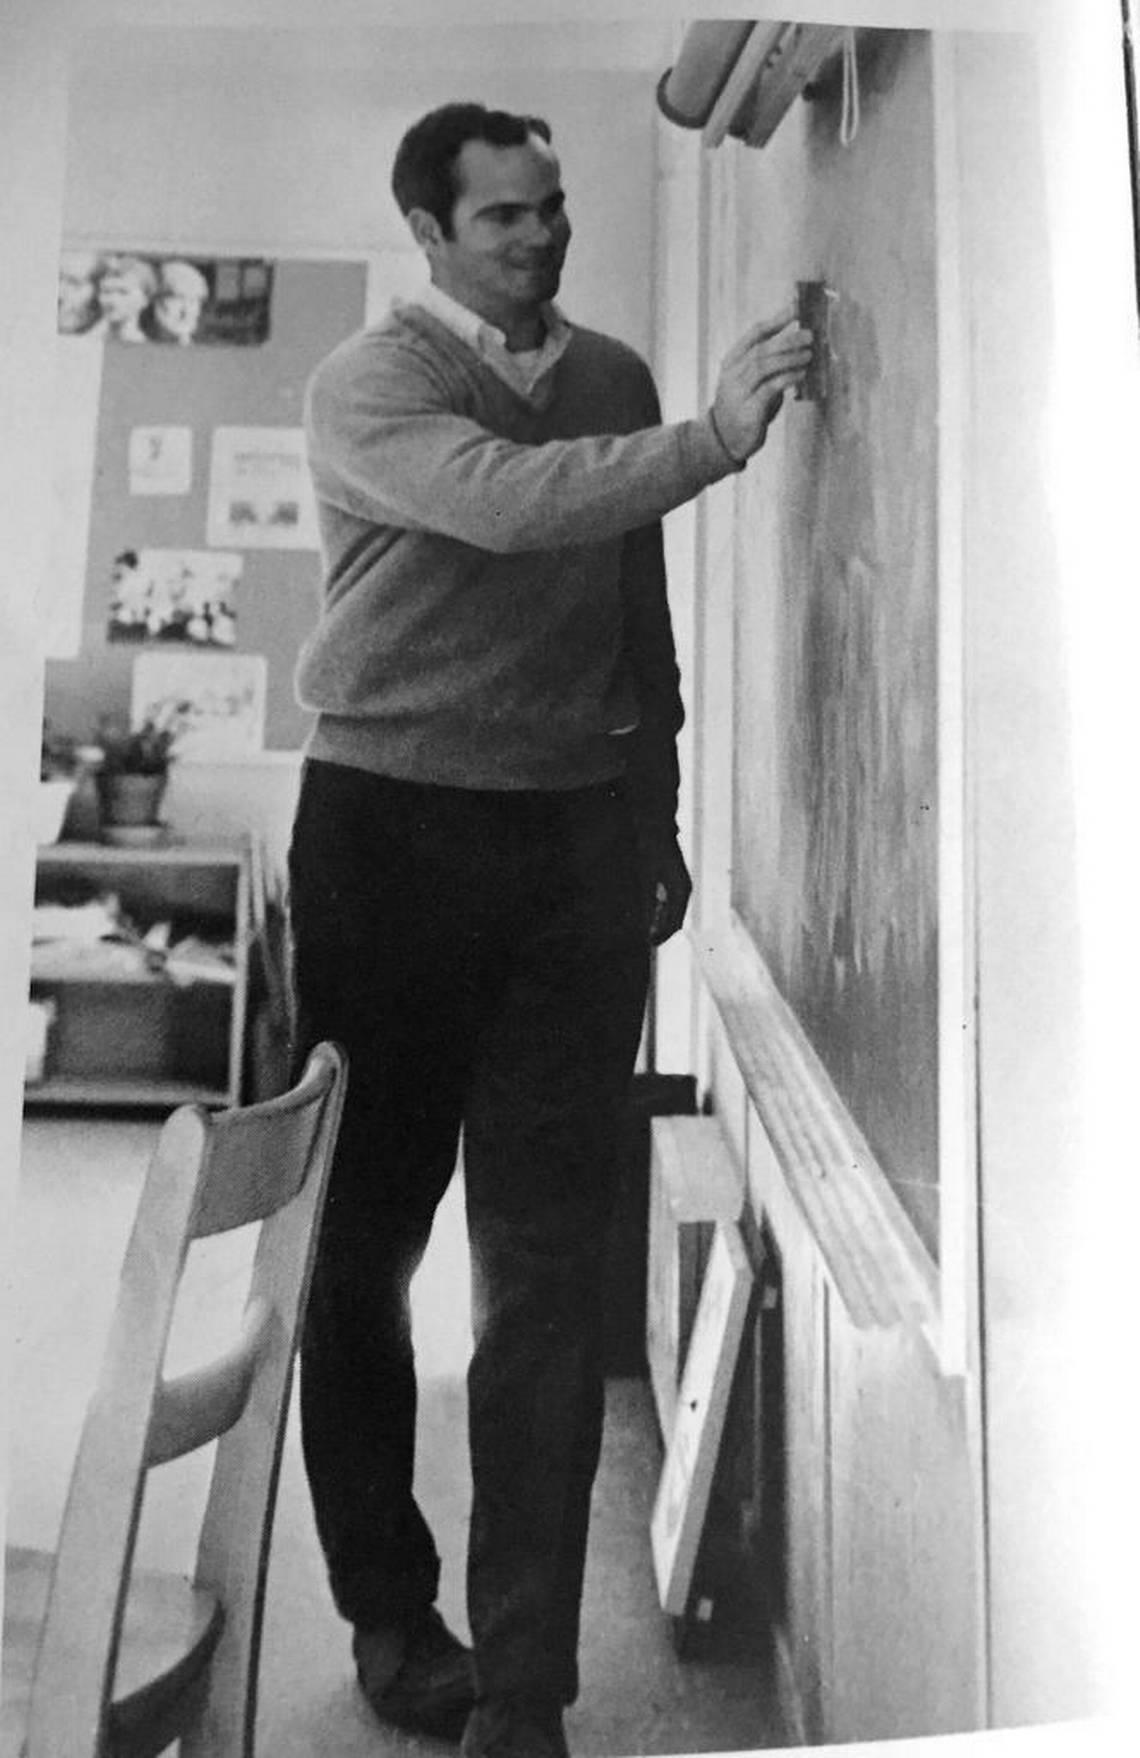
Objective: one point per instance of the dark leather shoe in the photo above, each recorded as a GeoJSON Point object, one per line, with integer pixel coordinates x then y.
{"type": "Point", "coordinates": [432, 1688]}
{"type": "Point", "coordinates": [514, 1727]}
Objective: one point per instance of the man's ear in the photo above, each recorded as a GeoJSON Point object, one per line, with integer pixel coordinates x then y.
{"type": "Point", "coordinates": [425, 229]}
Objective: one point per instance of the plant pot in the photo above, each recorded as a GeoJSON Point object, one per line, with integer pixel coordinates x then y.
{"type": "Point", "coordinates": [130, 799]}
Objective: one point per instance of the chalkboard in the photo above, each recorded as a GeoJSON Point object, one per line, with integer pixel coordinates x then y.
{"type": "Point", "coordinates": [314, 305]}
{"type": "Point", "coordinates": [836, 826]}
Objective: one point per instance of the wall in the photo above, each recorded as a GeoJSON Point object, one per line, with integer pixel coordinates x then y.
{"type": "Point", "coordinates": [280, 143]}
{"type": "Point", "coordinates": [285, 139]}
{"type": "Point", "coordinates": [1028, 931]}
{"type": "Point", "coordinates": [32, 106]}
{"type": "Point", "coordinates": [931, 1581]}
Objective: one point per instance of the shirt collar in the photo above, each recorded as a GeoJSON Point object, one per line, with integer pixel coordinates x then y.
{"type": "Point", "coordinates": [523, 371]}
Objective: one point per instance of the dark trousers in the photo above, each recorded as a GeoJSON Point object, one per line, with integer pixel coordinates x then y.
{"type": "Point", "coordinates": [483, 959]}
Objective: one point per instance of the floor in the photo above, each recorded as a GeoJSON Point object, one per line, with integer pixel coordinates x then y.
{"type": "Point", "coordinates": [80, 1180]}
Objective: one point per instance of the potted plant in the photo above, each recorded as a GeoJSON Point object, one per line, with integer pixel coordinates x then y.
{"type": "Point", "coordinates": [135, 766]}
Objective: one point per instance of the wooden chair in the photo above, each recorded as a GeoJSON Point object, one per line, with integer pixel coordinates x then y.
{"type": "Point", "coordinates": [100, 1662]}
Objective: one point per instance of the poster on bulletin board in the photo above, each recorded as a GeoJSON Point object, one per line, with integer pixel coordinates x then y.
{"type": "Point", "coordinates": [260, 495]}
{"type": "Point", "coordinates": [219, 698]}
{"type": "Point", "coordinates": [163, 298]}
{"type": "Point", "coordinates": [184, 595]}
{"type": "Point", "coordinates": [160, 460]}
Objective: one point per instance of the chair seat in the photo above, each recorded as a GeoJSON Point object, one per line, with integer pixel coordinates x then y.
{"type": "Point", "coordinates": [169, 1633]}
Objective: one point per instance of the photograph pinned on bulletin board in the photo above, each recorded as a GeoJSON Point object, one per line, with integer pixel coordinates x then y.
{"type": "Point", "coordinates": [166, 298]}
{"type": "Point", "coordinates": [174, 595]}
{"type": "Point", "coordinates": [220, 698]}
{"type": "Point", "coordinates": [160, 460]}
{"type": "Point", "coordinates": [260, 494]}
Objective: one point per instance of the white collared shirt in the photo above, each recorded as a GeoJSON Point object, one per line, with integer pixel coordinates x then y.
{"type": "Point", "coordinates": [523, 370]}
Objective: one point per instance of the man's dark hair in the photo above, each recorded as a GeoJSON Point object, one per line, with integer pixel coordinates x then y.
{"type": "Point", "coordinates": [423, 174]}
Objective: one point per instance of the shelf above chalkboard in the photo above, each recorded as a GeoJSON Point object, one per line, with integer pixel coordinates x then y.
{"type": "Point", "coordinates": [732, 78]}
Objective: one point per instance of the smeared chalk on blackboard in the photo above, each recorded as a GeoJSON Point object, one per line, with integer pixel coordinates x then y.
{"type": "Point", "coordinates": [836, 702]}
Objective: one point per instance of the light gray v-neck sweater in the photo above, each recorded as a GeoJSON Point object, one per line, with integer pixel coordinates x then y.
{"type": "Point", "coordinates": [494, 607]}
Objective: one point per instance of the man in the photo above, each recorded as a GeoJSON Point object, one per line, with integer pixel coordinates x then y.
{"type": "Point", "coordinates": [483, 852]}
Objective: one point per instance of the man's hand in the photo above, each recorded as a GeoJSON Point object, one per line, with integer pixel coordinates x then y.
{"type": "Point", "coordinates": [668, 888]}
{"type": "Point", "coordinates": [768, 360]}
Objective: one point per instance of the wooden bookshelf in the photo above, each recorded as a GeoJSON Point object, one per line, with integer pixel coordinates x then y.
{"type": "Point", "coordinates": [137, 1037]}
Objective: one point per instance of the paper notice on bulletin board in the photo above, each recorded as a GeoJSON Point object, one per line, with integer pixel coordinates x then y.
{"type": "Point", "coordinates": [220, 697]}
{"type": "Point", "coordinates": [260, 493]}
{"type": "Point", "coordinates": [160, 460]}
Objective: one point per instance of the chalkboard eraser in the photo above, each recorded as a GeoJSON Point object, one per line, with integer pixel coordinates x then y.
{"type": "Point", "coordinates": [814, 302]}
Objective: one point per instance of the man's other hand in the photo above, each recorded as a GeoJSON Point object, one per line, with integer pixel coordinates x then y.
{"type": "Point", "coordinates": [668, 887]}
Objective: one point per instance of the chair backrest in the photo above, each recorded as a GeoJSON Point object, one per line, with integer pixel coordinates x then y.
{"type": "Point", "coordinates": [266, 1163]}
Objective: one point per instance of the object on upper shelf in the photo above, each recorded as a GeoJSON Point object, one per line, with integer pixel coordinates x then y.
{"type": "Point", "coordinates": [197, 960]}
{"type": "Point", "coordinates": [90, 939]}
{"type": "Point", "coordinates": [93, 918]}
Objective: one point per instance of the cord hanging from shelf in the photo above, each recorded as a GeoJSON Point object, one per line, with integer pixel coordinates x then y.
{"type": "Point", "coordinates": [849, 119]}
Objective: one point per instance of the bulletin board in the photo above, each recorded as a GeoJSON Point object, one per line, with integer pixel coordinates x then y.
{"type": "Point", "coordinates": [836, 784]}
{"type": "Point", "coordinates": [199, 394]}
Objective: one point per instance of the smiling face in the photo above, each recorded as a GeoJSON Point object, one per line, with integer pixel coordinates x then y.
{"type": "Point", "coordinates": [177, 314]}
{"type": "Point", "coordinates": [509, 232]}
{"type": "Point", "coordinates": [122, 297]}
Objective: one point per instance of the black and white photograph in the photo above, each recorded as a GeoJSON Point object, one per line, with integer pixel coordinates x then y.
{"type": "Point", "coordinates": [570, 957]}
{"type": "Point", "coordinates": [174, 595]}
{"type": "Point", "coordinates": [136, 296]}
